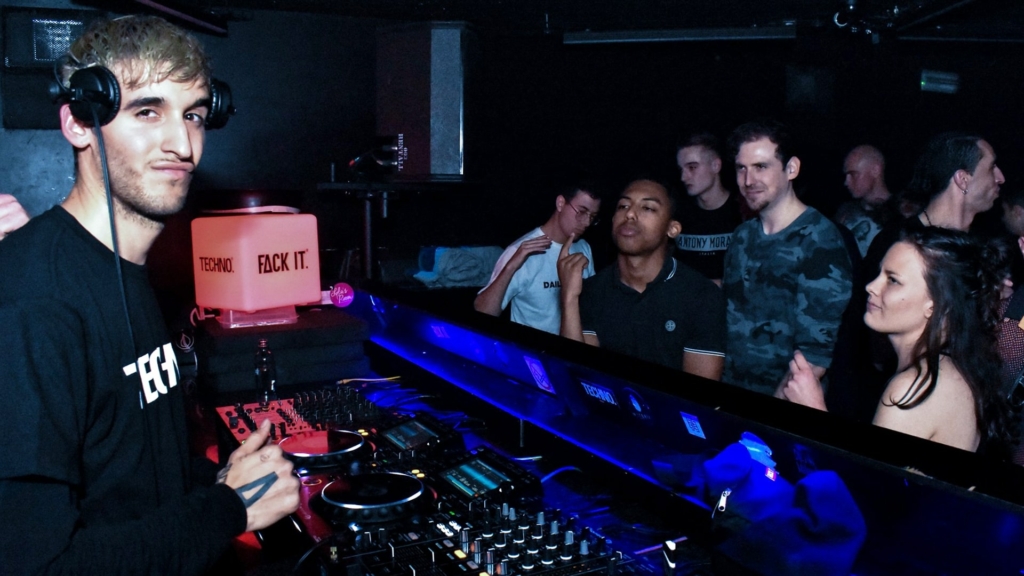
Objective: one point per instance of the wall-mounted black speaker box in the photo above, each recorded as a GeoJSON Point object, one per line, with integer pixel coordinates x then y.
{"type": "Point", "coordinates": [34, 38]}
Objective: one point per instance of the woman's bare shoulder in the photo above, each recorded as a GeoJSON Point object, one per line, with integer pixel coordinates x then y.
{"type": "Point", "coordinates": [901, 387]}
{"type": "Point", "coordinates": [946, 415]}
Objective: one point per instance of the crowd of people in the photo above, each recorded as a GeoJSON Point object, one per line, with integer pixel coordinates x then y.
{"type": "Point", "coordinates": [889, 310]}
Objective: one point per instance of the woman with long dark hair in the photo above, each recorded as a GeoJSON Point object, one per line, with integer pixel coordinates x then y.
{"type": "Point", "coordinates": [936, 298]}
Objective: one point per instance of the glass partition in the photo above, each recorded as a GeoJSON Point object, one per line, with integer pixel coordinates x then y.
{"type": "Point", "coordinates": [927, 508]}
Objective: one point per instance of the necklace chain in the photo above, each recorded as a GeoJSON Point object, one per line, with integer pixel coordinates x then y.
{"type": "Point", "coordinates": [925, 213]}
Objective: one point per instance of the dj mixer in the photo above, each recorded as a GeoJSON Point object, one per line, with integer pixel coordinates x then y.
{"type": "Point", "coordinates": [387, 492]}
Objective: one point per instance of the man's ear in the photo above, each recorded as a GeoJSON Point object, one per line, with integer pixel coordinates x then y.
{"type": "Point", "coordinates": [793, 168]}
{"type": "Point", "coordinates": [716, 165]}
{"type": "Point", "coordinates": [74, 130]}
{"type": "Point", "coordinates": [960, 178]}
{"type": "Point", "coordinates": [559, 202]}
{"type": "Point", "coordinates": [674, 229]}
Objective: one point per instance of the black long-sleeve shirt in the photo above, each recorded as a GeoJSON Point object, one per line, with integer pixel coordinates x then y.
{"type": "Point", "coordinates": [95, 478]}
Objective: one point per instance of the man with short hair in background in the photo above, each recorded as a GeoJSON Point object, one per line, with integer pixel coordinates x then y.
{"type": "Point", "coordinates": [709, 219]}
{"type": "Point", "coordinates": [787, 272]}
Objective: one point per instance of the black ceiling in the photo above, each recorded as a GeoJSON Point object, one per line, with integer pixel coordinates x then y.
{"type": "Point", "coordinates": [962, 20]}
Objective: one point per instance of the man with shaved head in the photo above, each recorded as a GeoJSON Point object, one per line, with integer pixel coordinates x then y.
{"type": "Point", "coordinates": [870, 209]}
{"type": "Point", "coordinates": [647, 304]}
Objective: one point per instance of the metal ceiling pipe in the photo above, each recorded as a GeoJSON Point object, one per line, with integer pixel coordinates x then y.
{"type": "Point", "coordinates": [682, 35]}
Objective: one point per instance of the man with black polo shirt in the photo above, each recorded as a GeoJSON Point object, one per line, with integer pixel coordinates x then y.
{"type": "Point", "coordinates": [646, 305]}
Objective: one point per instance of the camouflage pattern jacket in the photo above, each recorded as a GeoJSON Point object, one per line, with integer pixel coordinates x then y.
{"type": "Point", "coordinates": [784, 291]}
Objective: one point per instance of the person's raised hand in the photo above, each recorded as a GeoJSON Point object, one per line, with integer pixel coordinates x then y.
{"type": "Point", "coordinates": [570, 270]}
{"type": "Point", "coordinates": [803, 387]}
{"type": "Point", "coordinates": [528, 248]}
{"type": "Point", "coordinates": [12, 215]}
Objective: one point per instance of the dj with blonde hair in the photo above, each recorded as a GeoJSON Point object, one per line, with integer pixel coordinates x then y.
{"type": "Point", "coordinates": [97, 479]}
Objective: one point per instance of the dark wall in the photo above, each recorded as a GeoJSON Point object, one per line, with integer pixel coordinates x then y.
{"type": "Point", "coordinates": [615, 110]}
{"type": "Point", "coordinates": [37, 165]}
{"type": "Point", "coordinates": [304, 89]}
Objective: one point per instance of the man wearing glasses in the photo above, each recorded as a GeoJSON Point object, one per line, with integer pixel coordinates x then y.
{"type": "Point", "coordinates": [526, 275]}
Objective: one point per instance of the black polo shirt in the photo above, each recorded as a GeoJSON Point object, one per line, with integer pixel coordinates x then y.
{"type": "Point", "coordinates": [679, 311]}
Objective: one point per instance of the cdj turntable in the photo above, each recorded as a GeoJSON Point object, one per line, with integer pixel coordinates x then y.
{"type": "Point", "coordinates": [388, 493]}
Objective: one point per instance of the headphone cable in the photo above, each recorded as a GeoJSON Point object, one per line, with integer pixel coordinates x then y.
{"type": "Point", "coordinates": [113, 226]}
{"type": "Point", "coordinates": [120, 284]}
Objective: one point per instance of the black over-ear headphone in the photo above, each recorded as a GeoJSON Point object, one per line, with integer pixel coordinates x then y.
{"type": "Point", "coordinates": [96, 88]}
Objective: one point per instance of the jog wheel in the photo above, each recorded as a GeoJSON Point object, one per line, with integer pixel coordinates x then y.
{"type": "Point", "coordinates": [373, 498]}
{"type": "Point", "coordinates": [323, 448]}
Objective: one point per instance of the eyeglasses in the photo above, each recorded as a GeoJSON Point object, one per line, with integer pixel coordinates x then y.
{"type": "Point", "coordinates": [585, 214]}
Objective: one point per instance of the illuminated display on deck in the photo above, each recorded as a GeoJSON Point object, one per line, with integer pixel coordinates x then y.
{"type": "Point", "coordinates": [410, 435]}
{"type": "Point", "coordinates": [474, 478]}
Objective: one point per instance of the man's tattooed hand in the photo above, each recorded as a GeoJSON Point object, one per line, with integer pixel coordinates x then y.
{"type": "Point", "coordinates": [257, 489]}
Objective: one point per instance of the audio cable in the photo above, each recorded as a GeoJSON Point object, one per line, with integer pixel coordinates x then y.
{"type": "Point", "coordinates": [113, 228]}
